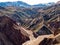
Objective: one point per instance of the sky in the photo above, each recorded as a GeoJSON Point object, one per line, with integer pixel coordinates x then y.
{"type": "Point", "coordinates": [32, 2]}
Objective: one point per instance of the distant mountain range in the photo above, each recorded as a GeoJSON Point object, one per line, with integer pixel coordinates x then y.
{"type": "Point", "coordinates": [15, 4]}
{"type": "Point", "coordinates": [23, 4]}
{"type": "Point", "coordinates": [44, 5]}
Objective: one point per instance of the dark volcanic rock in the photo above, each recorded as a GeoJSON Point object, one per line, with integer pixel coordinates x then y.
{"type": "Point", "coordinates": [44, 31]}
{"type": "Point", "coordinates": [55, 27]}
{"type": "Point", "coordinates": [13, 35]}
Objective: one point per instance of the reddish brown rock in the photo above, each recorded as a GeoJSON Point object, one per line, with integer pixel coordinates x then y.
{"type": "Point", "coordinates": [55, 27]}
{"type": "Point", "coordinates": [15, 36]}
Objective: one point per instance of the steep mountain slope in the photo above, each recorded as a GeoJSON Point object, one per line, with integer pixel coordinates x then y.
{"type": "Point", "coordinates": [38, 21]}
{"type": "Point", "coordinates": [16, 14]}
{"type": "Point", "coordinates": [50, 11]}
{"type": "Point", "coordinates": [9, 33]}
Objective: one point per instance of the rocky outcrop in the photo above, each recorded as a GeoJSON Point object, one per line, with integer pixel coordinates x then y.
{"type": "Point", "coordinates": [13, 35]}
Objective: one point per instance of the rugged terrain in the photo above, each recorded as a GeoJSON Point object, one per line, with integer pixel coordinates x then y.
{"type": "Point", "coordinates": [32, 25]}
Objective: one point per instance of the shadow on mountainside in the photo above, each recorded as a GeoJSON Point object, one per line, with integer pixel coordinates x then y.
{"type": "Point", "coordinates": [9, 35]}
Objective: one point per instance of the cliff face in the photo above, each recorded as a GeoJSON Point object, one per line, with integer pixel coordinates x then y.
{"type": "Point", "coordinates": [13, 35]}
